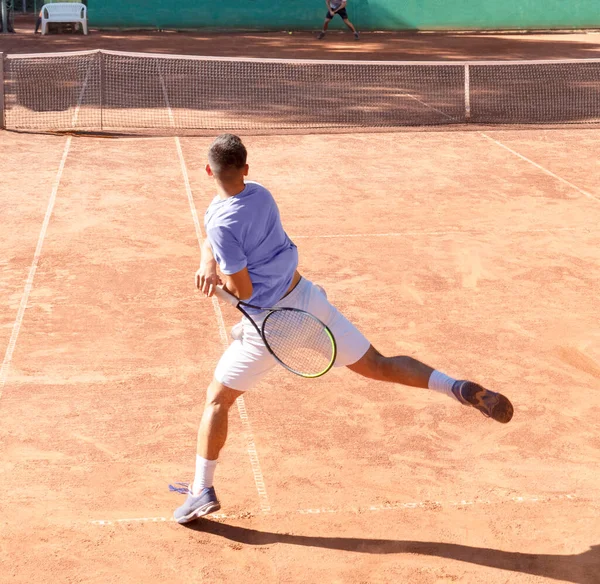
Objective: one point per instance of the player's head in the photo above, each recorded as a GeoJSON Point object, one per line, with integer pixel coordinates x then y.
{"type": "Point", "coordinates": [227, 158]}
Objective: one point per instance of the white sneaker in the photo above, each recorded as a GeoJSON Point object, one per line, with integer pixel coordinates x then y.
{"type": "Point", "coordinates": [237, 331]}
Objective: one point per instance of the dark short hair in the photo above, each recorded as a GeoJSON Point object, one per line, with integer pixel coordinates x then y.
{"type": "Point", "coordinates": [226, 153]}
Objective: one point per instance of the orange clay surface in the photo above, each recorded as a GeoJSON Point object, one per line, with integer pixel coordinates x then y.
{"type": "Point", "coordinates": [444, 246]}
{"type": "Point", "coordinates": [477, 253]}
{"type": "Point", "coordinates": [304, 44]}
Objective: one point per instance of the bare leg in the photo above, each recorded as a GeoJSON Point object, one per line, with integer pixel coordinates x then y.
{"type": "Point", "coordinates": [212, 432]}
{"type": "Point", "coordinates": [409, 371]}
{"type": "Point", "coordinates": [350, 25]}
{"type": "Point", "coordinates": [325, 27]}
{"type": "Point", "coordinates": [404, 370]}
{"type": "Point", "coordinates": [212, 435]}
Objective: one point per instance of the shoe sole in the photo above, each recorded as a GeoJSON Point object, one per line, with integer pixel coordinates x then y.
{"type": "Point", "coordinates": [489, 403]}
{"type": "Point", "coordinates": [497, 407]}
{"type": "Point", "coordinates": [200, 512]}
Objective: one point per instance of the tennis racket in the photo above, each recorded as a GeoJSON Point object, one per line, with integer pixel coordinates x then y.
{"type": "Point", "coordinates": [297, 339]}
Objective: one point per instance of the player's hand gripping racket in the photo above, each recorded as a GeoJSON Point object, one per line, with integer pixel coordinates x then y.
{"type": "Point", "coordinates": [297, 339]}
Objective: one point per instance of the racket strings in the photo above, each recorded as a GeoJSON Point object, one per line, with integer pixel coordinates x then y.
{"type": "Point", "coordinates": [300, 341]}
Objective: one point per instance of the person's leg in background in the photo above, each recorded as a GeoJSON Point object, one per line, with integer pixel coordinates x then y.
{"type": "Point", "coordinates": [325, 25]}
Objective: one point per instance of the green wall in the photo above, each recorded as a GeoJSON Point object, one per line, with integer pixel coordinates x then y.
{"type": "Point", "coordinates": [365, 14]}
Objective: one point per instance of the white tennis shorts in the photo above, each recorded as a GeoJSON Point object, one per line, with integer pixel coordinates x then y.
{"type": "Point", "coordinates": [245, 362]}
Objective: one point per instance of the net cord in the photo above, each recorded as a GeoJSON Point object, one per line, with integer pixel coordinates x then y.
{"type": "Point", "coordinates": [16, 56]}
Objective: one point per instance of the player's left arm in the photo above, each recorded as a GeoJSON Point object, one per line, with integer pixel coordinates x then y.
{"type": "Point", "coordinates": [232, 261]}
{"type": "Point", "coordinates": [207, 277]}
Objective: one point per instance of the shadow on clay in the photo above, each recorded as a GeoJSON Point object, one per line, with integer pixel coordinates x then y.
{"type": "Point", "coordinates": [577, 568]}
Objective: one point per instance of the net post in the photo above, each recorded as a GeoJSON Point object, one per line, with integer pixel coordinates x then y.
{"type": "Point", "coordinates": [467, 93]}
{"type": "Point", "coordinates": [2, 123]}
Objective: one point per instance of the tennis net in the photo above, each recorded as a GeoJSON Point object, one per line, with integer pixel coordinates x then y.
{"type": "Point", "coordinates": [116, 91]}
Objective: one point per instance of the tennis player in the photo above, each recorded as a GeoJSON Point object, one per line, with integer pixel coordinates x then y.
{"type": "Point", "coordinates": [257, 261]}
{"type": "Point", "coordinates": [337, 7]}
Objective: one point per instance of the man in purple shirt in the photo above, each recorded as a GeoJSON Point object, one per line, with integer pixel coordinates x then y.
{"type": "Point", "coordinates": [258, 262]}
{"type": "Point", "coordinates": [258, 243]}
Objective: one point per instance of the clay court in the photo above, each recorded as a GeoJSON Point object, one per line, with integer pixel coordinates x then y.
{"type": "Point", "coordinates": [474, 250]}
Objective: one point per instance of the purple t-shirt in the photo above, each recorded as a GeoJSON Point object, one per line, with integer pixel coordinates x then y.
{"type": "Point", "coordinates": [246, 231]}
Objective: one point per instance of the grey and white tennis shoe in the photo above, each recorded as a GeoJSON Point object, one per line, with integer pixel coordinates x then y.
{"type": "Point", "coordinates": [196, 506]}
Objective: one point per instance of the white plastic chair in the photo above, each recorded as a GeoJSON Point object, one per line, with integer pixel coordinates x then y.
{"type": "Point", "coordinates": [72, 12]}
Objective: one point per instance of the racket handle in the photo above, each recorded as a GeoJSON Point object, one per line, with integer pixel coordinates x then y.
{"type": "Point", "coordinates": [225, 296]}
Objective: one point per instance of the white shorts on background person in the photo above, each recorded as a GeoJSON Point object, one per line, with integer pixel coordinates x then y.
{"type": "Point", "coordinates": [245, 362]}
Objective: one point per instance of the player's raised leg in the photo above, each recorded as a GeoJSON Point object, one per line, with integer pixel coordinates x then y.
{"type": "Point", "coordinates": [212, 434]}
{"type": "Point", "coordinates": [409, 371]}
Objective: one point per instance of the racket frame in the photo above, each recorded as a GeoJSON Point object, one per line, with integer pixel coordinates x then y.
{"type": "Point", "coordinates": [240, 304]}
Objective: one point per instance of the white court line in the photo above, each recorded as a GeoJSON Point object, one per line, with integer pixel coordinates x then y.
{"type": "Point", "coordinates": [240, 402]}
{"type": "Point", "coordinates": [540, 167]}
{"type": "Point", "coordinates": [424, 505]}
{"type": "Point", "coordinates": [435, 109]}
{"type": "Point", "coordinates": [29, 283]}
{"type": "Point", "coordinates": [443, 232]}
{"type": "Point", "coordinates": [14, 335]}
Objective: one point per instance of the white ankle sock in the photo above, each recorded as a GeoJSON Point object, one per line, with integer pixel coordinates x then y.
{"type": "Point", "coordinates": [439, 381]}
{"type": "Point", "coordinates": [205, 472]}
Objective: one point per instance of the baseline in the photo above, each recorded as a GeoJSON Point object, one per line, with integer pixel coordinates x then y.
{"type": "Point", "coordinates": [424, 505]}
